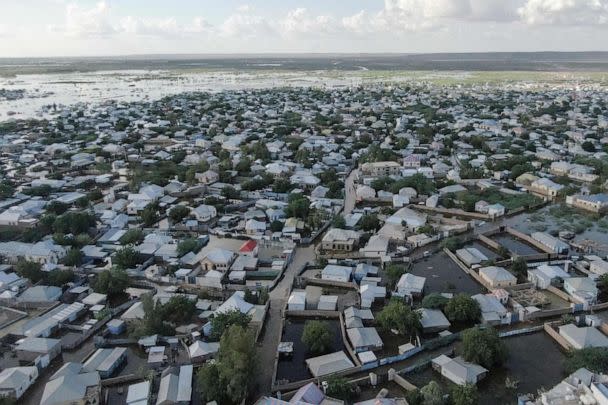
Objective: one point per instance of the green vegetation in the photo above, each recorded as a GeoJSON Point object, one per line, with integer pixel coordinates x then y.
{"type": "Point", "coordinates": [187, 246]}
{"type": "Point", "coordinates": [493, 196]}
{"type": "Point", "coordinates": [133, 236]}
{"type": "Point", "coordinates": [160, 318]}
{"type": "Point", "coordinates": [111, 282]}
{"type": "Point", "coordinates": [126, 258]}
{"type": "Point", "coordinates": [221, 322]}
{"type": "Point", "coordinates": [434, 301]}
{"type": "Point", "coordinates": [369, 223]}
{"type": "Point", "coordinates": [73, 257]}
{"type": "Point", "coordinates": [432, 394]}
{"type": "Point", "coordinates": [592, 358]}
{"type": "Point", "coordinates": [462, 308]}
{"type": "Point", "coordinates": [178, 213]}
{"type": "Point", "coordinates": [483, 347]}
{"type": "Point", "coordinates": [464, 394]}
{"type": "Point", "coordinates": [317, 337]}
{"type": "Point", "coordinates": [393, 273]}
{"type": "Point", "coordinates": [340, 388]}
{"type": "Point", "coordinates": [229, 379]}
{"type": "Point", "coordinates": [520, 269]}
{"type": "Point", "coordinates": [397, 316]}
{"type": "Point", "coordinates": [419, 182]}
{"type": "Point", "coordinates": [298, 207]}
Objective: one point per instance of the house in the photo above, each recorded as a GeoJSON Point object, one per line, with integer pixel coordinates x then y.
{"type": "Point", "coordinates": [594, 203]}
{"type": "Point", "coordinates": [497, 277]}
{"type": "Point", "coordinates": [410, 285]}
{"type": "Point", "coordinates": [341, 240]}
{"type": "Point", "coordinates": [138, 394]}
{"type": "Point", "coordinates": [378, 169]}
{"type": "Point", "coordinates": [175, 386]}
{"type": "Point", "coordinates": [14, 381]}
{"type": "Point", "coordinates": [370, 292]}
{"type": "Point", "coordinates": [334, 272]}
{"type": "Point", "coordinates": [106, 361]}
{"type": "Point", "coordinates": [545, 275]}
{"type": "Point", "coordinates": [29, 349]}
{"type": "Point", "coordinates": [583, 337]}
{"type": "Point", "coordinates": [327, 303]}
{"type": "Point", "coordinates": [69, 385]}
{"type": "Point", "coordinates": [583, 289]}
{"type": "Point", "coordinates": [433, 320]}
{"type": "Point", "coordinates": [208, 177]}
{"type": "Point", "coordinates": [41, 293]}
{"type": "Point", "coordinates": [329, 364]}
{"type": "Point", "coordinates": [552, 243]}
{"type": "Point", "coordinates": [297, 301]}
{"type": "Point", "coordinates": [408, 217]}
{"type": "Point", "coordinates": [364, 339]}
{"type": "Point", "coordinates": [200, 351]}
{"type": "Point", "coordinates": [458, 371]}
{"type": "Point", "coordinates": [218, 259]}
{"type": "Point", "coordinates": [546, 187]}
{"type": "Point", "coordinates": [471, 256]}
{"type": "Point", "coordinates": [496, 210]}
{"type": "Point", "coordinates": [492, 310]}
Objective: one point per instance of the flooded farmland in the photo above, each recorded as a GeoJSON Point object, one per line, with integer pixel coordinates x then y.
{"type": "Point", "coordinates": [443, 275]}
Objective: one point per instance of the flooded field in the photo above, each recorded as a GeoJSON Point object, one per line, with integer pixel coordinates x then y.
{"type": "Point", "coordinates": [515, 245]}
{"type": "Point", "coordinates": [443, 275]}
{"type": "Point", "coordinates": [295, 368]}
{"type": "Point", "coordinates": [535, 362]}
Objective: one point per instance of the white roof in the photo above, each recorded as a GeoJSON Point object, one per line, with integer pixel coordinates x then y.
{"type": "Point", "coordinates": [138, 393]}
{"type": "Point", "coordinates": [329, 364]}
{"type": "Point", "coordinates": [235, 302]}
{"type": "Point", "coordinates": [497, 274]}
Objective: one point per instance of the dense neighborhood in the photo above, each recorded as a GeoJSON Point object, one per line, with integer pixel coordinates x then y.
{"type": "Point", "coordinates": [414, 244]}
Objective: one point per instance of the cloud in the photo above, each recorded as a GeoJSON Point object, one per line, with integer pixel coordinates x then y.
{"type": "Point", "coordinates": [86, 22]}
{"type": "Point", "coordinates": [565, 12]}
{"type": "Point", "coordinates": [301, 22]}
{"type": "Point", "coordinates": [245, 24]}
{"type": "Point", "coordinates": [167, 27]}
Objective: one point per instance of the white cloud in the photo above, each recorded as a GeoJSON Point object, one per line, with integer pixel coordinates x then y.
{"type": "Point", "coordinates": [565, 12]}
{"type": "Point", "coordinates": [301, 22]}
{"type": "Point", "coordinates": [245, 24]}
{"type": "Point", "coordinates": [167, 27]}
{"type": "Point", "coordinates": [86, 22]}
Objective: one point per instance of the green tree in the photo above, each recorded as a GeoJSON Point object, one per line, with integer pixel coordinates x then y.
{"type": "Point", "coordinates": [484, 347]}
{"type": "Point", "coordinates": [59, 277]}
{"type": "Point", "coordinates": [452, 243]}
{"type": "Point", "coordinates": [179, 309]}
{"type": "Point", "coordinates": [178, 213]}
{"type": "Point", "coordinates": [30, 270]}
{"type": "Point", "coordinates": [399, 317]}
{"type": "Point", "coordinates": [462, 308]}
{"type": "Point", "coordinates": [339, 222]}
{"type": "Point", "coordinates": [520, 269]}
{"type": "Point", "coordinates": [149, 215]}
{"type": "Point", "coordinates": [133, 236]}
{"type": "Point", "coordinates": [230, 378]}
{"type": "Point", "coordinates": [432, 394]}
{"type": "Point", "coordinates": [221, 322]}
{"type": "Point", "coordinates": [369, 222]}
{"type": "Point", "coordinates": [592, 358]}
{"type": "Point", "coordinates": [298, 207]}
{"type": "Point", "coordinates": [276, 226]}
{"type": "Point", "coordinates": [73, 257]}
{"type": "Point", "coordinates": [340, 388]}
{"type": "Point", "coordinates": [317, 337]}
{"type": "Point", "coordinates": [56, 207]}
{"type": "Point", "coordinates": [188, 245]}
{"type": "Point", "coordinates": [126, 258]}
{"type": "Point", "coordinates": [112, 282]}
{"type": "Point", "coordinates": [464, 394]}
{"type": "Point", "coordinates": [434, 301]}
{"type": "Point", "coordinates": [393, 273]}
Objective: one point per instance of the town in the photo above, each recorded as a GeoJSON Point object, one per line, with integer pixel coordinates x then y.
{"type": "Point", "coordinates": [390, 243]}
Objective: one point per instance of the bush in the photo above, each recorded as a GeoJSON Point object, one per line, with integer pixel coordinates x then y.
{"type": "Point", "coordinates": [592, 358]}
{"type": "Point", "coordinates": [400, 317]}
{"type": "Point", "coordinates": [435, 301]}
{"type": "Point", "coordinates": [317, 337]}
{"type": "Point", "coordinates": [221, 322]}
{"type": "Point", "coordinates": [464, 394]}
{"type": "Point", "coordinates": [484, 347]}
{"type": "Point", "coordinates": [462, 308]}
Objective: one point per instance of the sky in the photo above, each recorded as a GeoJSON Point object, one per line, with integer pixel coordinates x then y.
{"type": "Point", "coordinates": [30, 28]}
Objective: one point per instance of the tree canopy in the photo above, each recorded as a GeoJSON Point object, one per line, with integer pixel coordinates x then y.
{"type": "Point", "coordinates": [317, 337]}
{"type": "Point", "coordinates": [592, 358]}
{"type": "Point", "coordinates": [462, 308]}
{"type": "Point", "coordinates": [399, 317]}
{"type": "Point", "coordinates": [229, 379]}
{"type": "Point", "coordinates": [221, 322]}
{"type": "Point", "coordinates": [112, 282]}
{"type": "Point", "coordinates": [484, 347]}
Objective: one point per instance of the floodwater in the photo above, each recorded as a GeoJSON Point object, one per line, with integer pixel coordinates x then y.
{"type": "Point", "coordinates": [535, 361]}
{"type": "Point", "coordinates": [65, 89]}
{"type": "Point", "coordinates": [295, 369]}
{"type": "Point", "coordinates": [444, 276]}
{"type": "Point", "coordinates": [515, 245]}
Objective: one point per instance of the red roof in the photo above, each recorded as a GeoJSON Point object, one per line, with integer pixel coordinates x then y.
{"type": "Point", "coordinates": [248, 246]}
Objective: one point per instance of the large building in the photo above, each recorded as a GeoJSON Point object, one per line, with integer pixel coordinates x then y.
{"type": "Point", "coordinates": [594, 203]}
